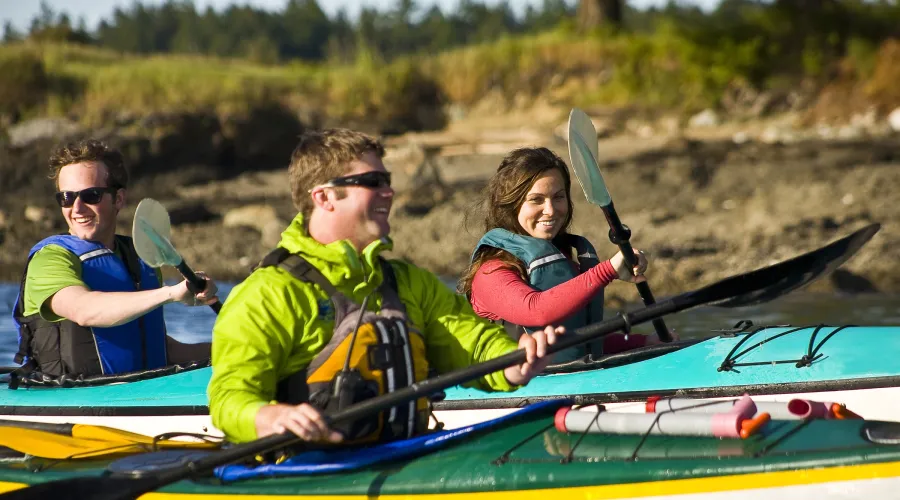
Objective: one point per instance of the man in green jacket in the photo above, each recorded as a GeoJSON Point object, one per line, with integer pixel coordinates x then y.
{"type": "Point", "coordinates": [273, 324]}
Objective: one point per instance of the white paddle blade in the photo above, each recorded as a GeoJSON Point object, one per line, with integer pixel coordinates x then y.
{"type": "Point", "coordinates": [583, 155]}
{"type": "Point", "coordinates": [151, 231]}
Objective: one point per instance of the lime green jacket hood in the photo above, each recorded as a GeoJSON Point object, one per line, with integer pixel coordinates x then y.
{"type": "Point", "coordinates": [272, 325]}
{"type": "Point", "coordinates": [353, 273]}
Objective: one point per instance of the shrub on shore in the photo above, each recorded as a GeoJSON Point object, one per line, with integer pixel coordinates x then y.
{"type": "Point", "coordinates": [23, 80]}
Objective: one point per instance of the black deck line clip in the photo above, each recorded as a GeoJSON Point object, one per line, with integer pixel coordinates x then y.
{"type": "Point", "coordinates": [807, 361]}
{"type": "Point", "coordinates": [739, 327]}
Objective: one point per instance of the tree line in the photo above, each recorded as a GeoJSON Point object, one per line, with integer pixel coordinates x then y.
{"type": "Point", "coordinates": [300, 30]}
{"type": "Point", "coordinates": [776, 36]}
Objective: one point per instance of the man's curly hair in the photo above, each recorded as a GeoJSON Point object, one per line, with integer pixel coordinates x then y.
{"type": "Point", "coordinates": [90, 150]}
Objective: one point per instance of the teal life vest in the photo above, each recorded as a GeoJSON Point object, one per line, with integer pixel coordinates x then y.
{"type": "Point", "coordinates": [547, 267]}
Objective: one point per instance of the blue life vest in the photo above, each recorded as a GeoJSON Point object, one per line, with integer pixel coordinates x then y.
{"type": "Point", "coordinates": [64, 347]}
{"type": "Point", "coordinates": [547, 267]}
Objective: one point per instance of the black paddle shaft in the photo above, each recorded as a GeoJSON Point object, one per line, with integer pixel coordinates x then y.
{"type": "Point", "coordinates": [196, 284]}
{"type": "Point", "coordinates": [619, 235]}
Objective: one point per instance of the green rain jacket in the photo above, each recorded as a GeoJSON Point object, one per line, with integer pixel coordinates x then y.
{"type": "Point", "coordinates": [272, 325]}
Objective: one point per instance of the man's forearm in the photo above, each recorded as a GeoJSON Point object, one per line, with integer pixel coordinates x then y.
{"type": "Point", "coordinates": [106, 309]}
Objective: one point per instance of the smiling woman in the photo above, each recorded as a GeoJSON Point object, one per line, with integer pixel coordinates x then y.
{"type": "Point", "coordinates": [528, 270]}
{"type": "Point", "coordinates": [546, 208]}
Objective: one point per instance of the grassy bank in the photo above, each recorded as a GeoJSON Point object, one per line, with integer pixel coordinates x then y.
{"type": "Point", "coordinates": [664, 70]}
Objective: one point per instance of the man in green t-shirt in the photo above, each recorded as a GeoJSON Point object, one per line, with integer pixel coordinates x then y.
{"type": "Point", "coordinates": [88, 305]}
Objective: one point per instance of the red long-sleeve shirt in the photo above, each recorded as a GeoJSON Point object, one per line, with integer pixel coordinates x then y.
{"type": "Point", "coordinates": [499, 293]}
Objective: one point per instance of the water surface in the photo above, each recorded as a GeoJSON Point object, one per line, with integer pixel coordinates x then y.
{"type": "Point", "coordinates": [194, 324]}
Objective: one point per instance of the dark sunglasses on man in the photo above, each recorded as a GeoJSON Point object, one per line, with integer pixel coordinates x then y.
{"type": "Point", "coordinates": [375, 179]}
{"type": "Point", "coordinates": [91, 195]}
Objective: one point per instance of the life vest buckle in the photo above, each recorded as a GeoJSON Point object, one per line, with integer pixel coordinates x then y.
{"type": "Point", "coordinates": [381, 356]}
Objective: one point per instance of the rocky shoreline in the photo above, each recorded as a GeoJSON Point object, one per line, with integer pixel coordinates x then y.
{"type": "Point", "coordinates": [706, 202]}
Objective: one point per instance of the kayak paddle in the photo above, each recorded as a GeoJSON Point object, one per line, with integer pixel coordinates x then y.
{"type": "Point", "coordinates": [741, 290]}
{"type": "Point", "coordinates": [65, 441]}
{"type": "Point", "coordinates": [151, 231]}
{"type": "Point", "coordinates": [583, 155]}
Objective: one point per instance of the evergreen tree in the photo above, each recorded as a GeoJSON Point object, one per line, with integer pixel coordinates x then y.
{"type": "Point", "coordinates": [600, 13]}
{"type": "Point", "coordinates": [303, 32]}
{"type": "Point", "coordinates": [10, 34]}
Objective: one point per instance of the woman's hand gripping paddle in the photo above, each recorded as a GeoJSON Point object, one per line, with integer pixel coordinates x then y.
{"type": "Point", "coordinates": [583, 155]}
{"type": "Point", "coordinates": [151, 231]}
{"type": "Point", "coordinates": [746, 289]}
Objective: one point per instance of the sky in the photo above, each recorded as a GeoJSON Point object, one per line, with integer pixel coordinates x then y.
{"type": "Point", "coordinates": [20, 12]}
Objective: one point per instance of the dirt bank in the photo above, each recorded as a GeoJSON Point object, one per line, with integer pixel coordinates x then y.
{"type": "Point", "coordinates": [706, 210]}
{"type": "Point", "coordinates": [703, 209]}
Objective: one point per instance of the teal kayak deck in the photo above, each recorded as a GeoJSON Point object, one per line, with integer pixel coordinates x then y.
{"type": "Point", "coordinates": [179, 390]}
{"type": "Point", "coordinates": [850, 354]}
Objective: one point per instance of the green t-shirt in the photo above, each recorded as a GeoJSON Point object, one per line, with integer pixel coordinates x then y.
{"type": "Point", "coordinates": [51, 269]}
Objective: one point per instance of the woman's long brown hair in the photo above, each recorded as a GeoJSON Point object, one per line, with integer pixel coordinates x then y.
{"type": "Point", "coordinates": [502, 199]}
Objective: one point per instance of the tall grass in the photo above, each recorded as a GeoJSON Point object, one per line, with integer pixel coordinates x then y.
{"type": "Point", "coordinates": [664, 69]}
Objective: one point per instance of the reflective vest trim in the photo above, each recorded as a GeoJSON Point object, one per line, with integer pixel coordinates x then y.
{"type": "Point", "coordinates": [95, 253]}
{"type": "Point", "coordinates": [544, 261]}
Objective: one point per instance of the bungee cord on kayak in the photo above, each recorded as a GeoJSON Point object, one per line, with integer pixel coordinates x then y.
{"type": "Point", "coordinates": [18, 378]}
{"type": "Point", "coordinates": [812, 354]}
{"type": "Point", "coordinates": [627, 447]}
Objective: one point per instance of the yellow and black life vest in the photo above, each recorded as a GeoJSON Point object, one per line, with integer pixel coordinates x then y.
{"type": "Point", "coordinates": [386, 353]}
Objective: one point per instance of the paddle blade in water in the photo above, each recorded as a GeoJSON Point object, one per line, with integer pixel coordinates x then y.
{"type": "Point", "coordinates": [151, 231]}
{"type": "Point", "coordinates": [583, 155]}
{"type": "Point", "coordinates": [770, 282]}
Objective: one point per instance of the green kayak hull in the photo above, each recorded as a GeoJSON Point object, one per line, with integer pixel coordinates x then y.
{"type": "Point", "coordinates": [530, 458]}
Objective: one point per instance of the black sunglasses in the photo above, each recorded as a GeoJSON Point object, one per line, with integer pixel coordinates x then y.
{"type": "Point", "coordinates": [91, 196]}
{"type": "Point", "coordinates": [374, 180]}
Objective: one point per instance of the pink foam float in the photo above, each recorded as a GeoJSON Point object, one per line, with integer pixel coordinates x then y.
{"type": "Point", "coordinates": [736, 422]}
{"type": "Point", "coordinates": [795, 409]}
